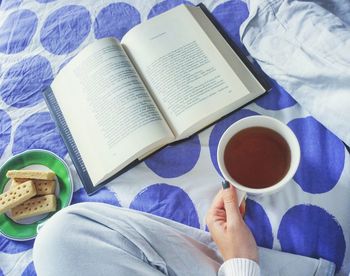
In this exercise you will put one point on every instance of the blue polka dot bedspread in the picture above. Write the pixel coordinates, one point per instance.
(37, 38)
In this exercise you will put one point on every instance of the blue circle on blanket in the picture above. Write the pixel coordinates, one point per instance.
(12, 247)
(65, 29)
(24, 82)
(165, 6)
(219, 130)
(29, 270)
(309, 230)
(116, 20)
(9, 4)
(45, 1)
(259, 223)
(168, 202)
(176, 159)
(230, 15)
(322, 156)
(277, 98)
(5, 131)
(17, 31)
(104, 195)
(1, 273)
(38, 131)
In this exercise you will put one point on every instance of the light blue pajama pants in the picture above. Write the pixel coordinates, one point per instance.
(100, 239)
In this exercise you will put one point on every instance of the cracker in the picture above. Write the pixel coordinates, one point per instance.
(30, 174)
(16, 196)
(43, 187)
(34, 207)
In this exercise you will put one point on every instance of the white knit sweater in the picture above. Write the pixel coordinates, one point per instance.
(239, 267)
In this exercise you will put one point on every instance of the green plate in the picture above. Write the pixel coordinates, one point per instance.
(40, 160)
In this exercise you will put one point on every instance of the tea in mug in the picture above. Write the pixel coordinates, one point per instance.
(257, 157)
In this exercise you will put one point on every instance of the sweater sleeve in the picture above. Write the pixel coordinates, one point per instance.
(239, 267)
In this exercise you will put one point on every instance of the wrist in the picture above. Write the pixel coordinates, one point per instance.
(241, 254)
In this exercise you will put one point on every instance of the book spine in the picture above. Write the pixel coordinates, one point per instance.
(57, 115)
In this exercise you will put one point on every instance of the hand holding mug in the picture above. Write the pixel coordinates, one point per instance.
(228, 230)
(258, 155)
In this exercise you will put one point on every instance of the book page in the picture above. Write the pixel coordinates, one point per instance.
(193, 74)
(110, 114)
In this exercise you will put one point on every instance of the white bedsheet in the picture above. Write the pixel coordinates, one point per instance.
(305, 46)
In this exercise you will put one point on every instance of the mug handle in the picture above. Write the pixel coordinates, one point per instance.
(241, 196)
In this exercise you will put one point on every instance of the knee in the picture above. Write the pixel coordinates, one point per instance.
(65, 238)
(63, 229)
(56, 238)
(61, 225)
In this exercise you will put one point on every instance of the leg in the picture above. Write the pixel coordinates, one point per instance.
(99, 239)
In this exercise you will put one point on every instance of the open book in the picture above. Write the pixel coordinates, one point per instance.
(169, 77)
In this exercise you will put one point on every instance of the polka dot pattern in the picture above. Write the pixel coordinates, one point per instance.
(164, 200)
(276, 99)
(30, 270)
(219, 130)
(12, 247)
(231, 15)
(311, 231)
(65, 29)
(259, 223)
(17, 31)
(322, 156)
(5, 131)
(104, 195)
(24, 82)
(37, 38)
(176, 159)
(38, 132)
(10, 4)
(115, 20)
(165, 6)
(45, 1)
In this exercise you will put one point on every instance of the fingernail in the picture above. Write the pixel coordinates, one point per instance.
(225, 185)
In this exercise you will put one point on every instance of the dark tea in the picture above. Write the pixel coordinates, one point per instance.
(257, 157)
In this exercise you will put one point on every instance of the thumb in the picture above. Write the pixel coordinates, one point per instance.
(230, 202)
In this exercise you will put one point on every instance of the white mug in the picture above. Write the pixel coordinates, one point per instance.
(267, 122)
